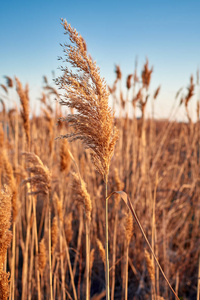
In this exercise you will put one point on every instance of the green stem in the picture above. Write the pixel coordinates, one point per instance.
(106, 248)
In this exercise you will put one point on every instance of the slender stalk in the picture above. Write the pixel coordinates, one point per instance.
(198, 284)
(70, 267)
(106, 247)
(177, 282)
(25, 254)
(55, 279)
(114, 254)
(80, 231)
(87, 259)
(50, 268)
(30, 270)
(126, 272)
(36, 248)
(61, 260)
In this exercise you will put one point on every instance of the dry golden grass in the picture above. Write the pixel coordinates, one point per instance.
(5, 239)
(157, 163)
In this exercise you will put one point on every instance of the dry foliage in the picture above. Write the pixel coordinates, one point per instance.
(157, 163)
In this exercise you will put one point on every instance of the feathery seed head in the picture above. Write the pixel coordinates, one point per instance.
(68, 227)
(54, 234)
(9, 81)
(5, 216)
(118, 72)
(42, 256)
(190, 91)
(24, 98)
(146, 75)
(150, 266)
(59, 207)
(1, 136)
(91, 259)
(5, 211)
(4, 285)
(101, 250)
(128, 81)
(12, 183)
(65, 158)
(129, 227)
(86, 92)
(42, 176)
(82, 195)
(156, 93)
(198, 110)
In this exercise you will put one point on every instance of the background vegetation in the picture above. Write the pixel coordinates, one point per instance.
(156, 162)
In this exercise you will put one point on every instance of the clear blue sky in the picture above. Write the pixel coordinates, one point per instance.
(116, 32)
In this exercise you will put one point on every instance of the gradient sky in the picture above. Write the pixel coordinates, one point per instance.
(116, 32)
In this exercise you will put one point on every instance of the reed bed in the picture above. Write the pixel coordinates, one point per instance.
(56, 190)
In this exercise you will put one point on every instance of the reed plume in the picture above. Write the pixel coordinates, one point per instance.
(128, 81)
(151, 270)
(9, 81)
(42, 256)
(150, 267)
(146, 75)
(42, 176)
(11, 183)
(5, 216)
(101, 251)
(85, 91)
(59, 207)
(54, 234)
(129, 227)
(185, 98)
(4, 285)
(157, 91)
(190, 91)
(91, 259)
(24, 98)
(118, 72)
(82, 195)
(68, 227)
(65, 158)
(5, 239)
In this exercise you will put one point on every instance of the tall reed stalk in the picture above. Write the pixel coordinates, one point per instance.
(106, 245)
(93, 123)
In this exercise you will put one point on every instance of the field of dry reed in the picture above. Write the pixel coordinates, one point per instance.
(53, 191)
